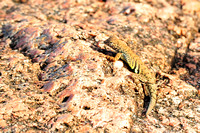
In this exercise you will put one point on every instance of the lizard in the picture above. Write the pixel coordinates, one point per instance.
(139, 68)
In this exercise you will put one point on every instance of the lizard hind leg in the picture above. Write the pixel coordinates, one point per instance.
(139, 85)
(139, 89)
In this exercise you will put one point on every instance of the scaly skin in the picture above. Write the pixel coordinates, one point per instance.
(138, 67)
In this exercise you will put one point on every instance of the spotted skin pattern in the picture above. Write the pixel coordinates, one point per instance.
(139, 68)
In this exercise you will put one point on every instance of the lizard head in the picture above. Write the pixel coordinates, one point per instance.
(114, 42)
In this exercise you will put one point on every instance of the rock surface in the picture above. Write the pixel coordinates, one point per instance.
(54, 75)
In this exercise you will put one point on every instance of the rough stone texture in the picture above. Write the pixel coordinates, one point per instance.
(54, 75)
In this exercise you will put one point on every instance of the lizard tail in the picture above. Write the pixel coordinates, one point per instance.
(153, 93)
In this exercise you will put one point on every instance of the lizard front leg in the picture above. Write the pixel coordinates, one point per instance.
(116, 58)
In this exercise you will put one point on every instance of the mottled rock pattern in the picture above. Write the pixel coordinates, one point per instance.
(54, 77)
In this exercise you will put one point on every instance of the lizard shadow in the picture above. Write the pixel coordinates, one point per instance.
(106, 52)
